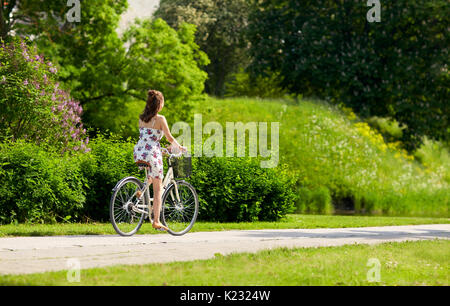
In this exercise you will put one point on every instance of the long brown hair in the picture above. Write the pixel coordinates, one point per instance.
(154, 100)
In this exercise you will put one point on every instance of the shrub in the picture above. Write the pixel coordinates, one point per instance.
(33, 106)
(316, 201)
(43, 186)
(230, 189)
(435, 156)
(109, 161)
(38, 185)
(238, 189)
(388, 127)
(242, 84)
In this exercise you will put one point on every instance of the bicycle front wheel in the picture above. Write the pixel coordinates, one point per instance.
(179, 213)
(125, 210)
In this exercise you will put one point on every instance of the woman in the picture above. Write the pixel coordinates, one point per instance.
(152, 127)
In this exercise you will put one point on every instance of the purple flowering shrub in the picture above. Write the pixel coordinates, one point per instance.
(32, 104)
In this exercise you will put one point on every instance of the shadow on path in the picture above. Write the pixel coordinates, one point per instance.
(356, 233)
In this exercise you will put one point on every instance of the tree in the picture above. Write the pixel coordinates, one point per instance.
(395, 68)
(221, 26)
(161, 58)
(101, 68)
(34, 107)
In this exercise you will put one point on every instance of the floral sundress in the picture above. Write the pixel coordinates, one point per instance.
(148, 149)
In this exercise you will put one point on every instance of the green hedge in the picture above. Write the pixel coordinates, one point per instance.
(238, 189)
(41, 186)
(108, 162)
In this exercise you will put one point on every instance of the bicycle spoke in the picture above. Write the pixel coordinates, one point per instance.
(125, 220)
(121, 215)
(180, 216)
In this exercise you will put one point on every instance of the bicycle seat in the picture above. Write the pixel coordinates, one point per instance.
(142, 163)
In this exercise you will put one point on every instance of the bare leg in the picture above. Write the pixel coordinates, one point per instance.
(157, 204)
(149, 205)
(139, 193)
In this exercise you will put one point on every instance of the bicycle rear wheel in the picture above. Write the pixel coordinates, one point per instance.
(124, 217)
(179, 216)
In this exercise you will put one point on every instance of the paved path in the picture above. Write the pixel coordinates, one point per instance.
(39, 254)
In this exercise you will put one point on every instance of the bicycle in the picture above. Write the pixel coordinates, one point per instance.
(131, 203)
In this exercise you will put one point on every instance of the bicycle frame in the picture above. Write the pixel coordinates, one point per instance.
(168, 179)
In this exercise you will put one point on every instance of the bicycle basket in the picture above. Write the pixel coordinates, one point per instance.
(182, 167)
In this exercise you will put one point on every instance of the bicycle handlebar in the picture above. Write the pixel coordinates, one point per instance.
(171, 154)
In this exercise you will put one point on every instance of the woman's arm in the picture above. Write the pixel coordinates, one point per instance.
(170, 138)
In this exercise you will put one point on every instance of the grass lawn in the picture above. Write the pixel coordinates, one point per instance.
(405, 263)
(291, 221)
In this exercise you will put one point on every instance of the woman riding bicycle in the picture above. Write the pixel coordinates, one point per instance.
(152, 127)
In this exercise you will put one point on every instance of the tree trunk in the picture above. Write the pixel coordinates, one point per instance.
(5, 22)
(2, 22)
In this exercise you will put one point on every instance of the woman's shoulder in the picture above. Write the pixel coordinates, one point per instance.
(160, 119)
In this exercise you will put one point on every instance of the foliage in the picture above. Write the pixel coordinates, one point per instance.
(243, 84)
(109, 161)
(238, 189)
(42, 186)
(388, 127)
(317, 201)
(34, 107)
(89, 53)
(39, 186)
(221, 26)
(394, 68)
(121, 121)
(160, 57)
(324, 148)
(106, 72)
(435, 156)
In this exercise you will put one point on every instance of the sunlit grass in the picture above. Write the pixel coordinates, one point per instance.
(293, 221)
(405, 263)
(327, 147)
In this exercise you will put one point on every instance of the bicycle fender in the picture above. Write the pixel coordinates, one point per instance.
(120, 182)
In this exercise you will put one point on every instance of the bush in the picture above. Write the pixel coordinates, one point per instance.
(33, 106)
(242, 84)
(38, 185)
(43, 186)
(388, 127)
(435, 156)
(109, 161)
(316, 201)
(238, 189)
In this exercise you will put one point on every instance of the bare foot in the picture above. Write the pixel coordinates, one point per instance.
(157, 225)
